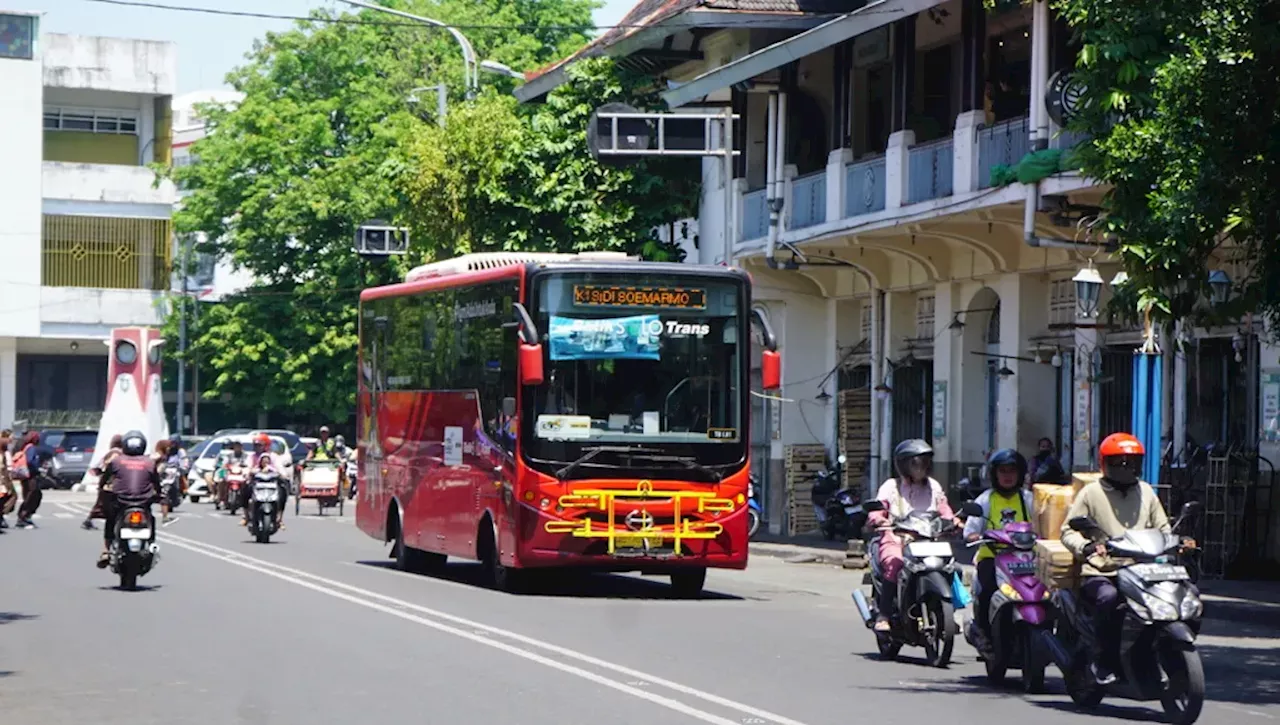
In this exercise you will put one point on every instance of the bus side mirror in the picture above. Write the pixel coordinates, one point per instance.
(771, 369)
(530, 364)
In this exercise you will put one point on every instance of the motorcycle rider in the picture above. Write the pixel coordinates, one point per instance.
(325, 449)
(264, 458)
(1118, 502)
(344, 455)
(235, 457)
(1006, 501)
(104, 485)
(134, 482)
(913, 489)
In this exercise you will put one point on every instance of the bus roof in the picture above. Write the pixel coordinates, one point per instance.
(495, 260)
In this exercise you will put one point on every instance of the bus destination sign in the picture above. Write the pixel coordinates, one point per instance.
(677, 298)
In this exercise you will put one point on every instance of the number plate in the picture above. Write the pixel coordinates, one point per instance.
(74, 456)
(638, 542)
(1160, 572)
(929, 548)
(127, 534)
(1022, 567)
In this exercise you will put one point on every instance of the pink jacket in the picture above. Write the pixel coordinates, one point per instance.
(901, 498)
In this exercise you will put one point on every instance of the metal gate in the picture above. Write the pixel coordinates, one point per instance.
(912, 401)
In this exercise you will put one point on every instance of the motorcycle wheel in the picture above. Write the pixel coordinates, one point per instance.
(128, 576)
(1033, 665)
(889, 648)
(1186, 685)
(939, 643)
(996, 669)
(263, 537)
(1084, 691)
(753, 523)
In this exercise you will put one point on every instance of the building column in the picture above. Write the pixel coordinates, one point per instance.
(8, 381)
(973, 42)
(945, 350)
(897, 168)
(1028, 399)
(964, 148)
(837, 182)
(1083, 447)
(904, 72)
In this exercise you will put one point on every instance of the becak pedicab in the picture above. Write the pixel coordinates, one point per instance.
(321, 480)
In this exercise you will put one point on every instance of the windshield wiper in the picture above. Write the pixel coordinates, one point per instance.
(589, 453)
(690, 463)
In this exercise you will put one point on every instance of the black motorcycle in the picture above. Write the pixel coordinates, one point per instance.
(133, 551)
(839, 510)
(1161, 608)
(264, 503)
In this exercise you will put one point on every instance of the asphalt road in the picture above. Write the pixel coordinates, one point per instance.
(316, 628)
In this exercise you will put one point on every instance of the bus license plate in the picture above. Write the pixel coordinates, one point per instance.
(638, 542)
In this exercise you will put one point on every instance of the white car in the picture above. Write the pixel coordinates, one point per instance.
(203, 467)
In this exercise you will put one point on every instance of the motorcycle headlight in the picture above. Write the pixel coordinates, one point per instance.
(1192, 607)
(914, 565)
(1161, 611)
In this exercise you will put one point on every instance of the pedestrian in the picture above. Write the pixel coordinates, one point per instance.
(8, 494)
(1045, 467)
(26, 469)
(104, 484)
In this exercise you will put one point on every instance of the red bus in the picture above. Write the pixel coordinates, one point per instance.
(533, 411)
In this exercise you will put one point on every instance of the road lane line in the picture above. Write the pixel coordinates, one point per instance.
(236, 557)
(670, 704)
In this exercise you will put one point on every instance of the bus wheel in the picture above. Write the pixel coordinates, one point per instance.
(503, 578)
(688, 583)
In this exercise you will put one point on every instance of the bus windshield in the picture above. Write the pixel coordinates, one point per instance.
(653, 361)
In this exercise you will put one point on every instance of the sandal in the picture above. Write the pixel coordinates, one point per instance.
(882, 625)
(104, 560)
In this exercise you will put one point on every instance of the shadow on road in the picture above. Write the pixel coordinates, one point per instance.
(138, 590)
(562, 583)
(1245, 675)
(7, 617)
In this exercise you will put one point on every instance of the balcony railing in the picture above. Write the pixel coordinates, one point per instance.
(929, 171)
(755, 215)
(1003, 144)
(106, 252)
(808, 200)
(864, 187)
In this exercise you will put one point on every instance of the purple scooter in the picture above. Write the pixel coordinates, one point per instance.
(1020, 612)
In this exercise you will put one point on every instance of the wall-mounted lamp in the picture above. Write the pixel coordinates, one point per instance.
(1237, 344)
(883, 391)
(957, 325)
(1056, 360)
(1088, 290)
(1219, 286)
(1120, 279)
(1004, 372)
(74, 346)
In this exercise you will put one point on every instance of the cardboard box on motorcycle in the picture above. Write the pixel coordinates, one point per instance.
(1057, 566)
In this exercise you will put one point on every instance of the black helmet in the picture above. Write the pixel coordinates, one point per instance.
(909, 449)
(135, 444)
(1006, 457)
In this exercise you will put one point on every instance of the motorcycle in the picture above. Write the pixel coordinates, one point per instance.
(753, 508)
(925, 614)
(838, 510)
(351, 476)
(133, 551)
(1019, 614)
(1161, 610)
(234, 485)
(266, 498)
(171, 487)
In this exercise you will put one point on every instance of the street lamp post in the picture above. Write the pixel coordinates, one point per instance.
(470, 66)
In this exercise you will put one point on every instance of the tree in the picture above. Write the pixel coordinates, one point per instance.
(1183, 101)
(316, 147)
(502, 176)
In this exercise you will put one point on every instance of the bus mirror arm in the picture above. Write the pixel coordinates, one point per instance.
(530, 347)
(770, 359)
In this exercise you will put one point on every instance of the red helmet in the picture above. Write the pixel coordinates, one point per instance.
(1122, 457)
(264, 440)
(1121, 444)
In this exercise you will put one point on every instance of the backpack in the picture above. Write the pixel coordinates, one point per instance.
(19, 469)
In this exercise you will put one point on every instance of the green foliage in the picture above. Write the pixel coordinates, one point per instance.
(318, 146)
(502, 176)
(1184, 106)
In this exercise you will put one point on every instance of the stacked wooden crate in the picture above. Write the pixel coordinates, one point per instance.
(855, 435)
(802, 462)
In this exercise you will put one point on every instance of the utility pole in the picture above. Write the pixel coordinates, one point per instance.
(182, 334)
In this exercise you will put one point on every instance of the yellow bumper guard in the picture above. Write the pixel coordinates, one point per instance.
(647, 535)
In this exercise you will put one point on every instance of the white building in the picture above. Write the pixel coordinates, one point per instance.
(209, 278)
(938, 290)
(86, 229)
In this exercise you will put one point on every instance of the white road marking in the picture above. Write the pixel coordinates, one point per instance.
(63, 515)
(397, 607)
(677, 706)
(67, 507)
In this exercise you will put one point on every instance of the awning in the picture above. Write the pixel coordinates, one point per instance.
(873, 15)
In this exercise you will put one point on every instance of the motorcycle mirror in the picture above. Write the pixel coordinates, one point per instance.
(1082, 524)
(873, 505)
(971, 508)
(1191, 508)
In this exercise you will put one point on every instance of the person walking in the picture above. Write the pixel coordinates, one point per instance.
(8, 493)
(26, 469)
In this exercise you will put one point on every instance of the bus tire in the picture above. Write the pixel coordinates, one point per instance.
(688, 583)
(503, 578)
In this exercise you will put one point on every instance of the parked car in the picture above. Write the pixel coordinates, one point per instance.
(297, 449)
(72, 450)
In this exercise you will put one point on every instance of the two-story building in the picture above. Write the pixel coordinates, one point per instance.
(906, 205)
(86, 227)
